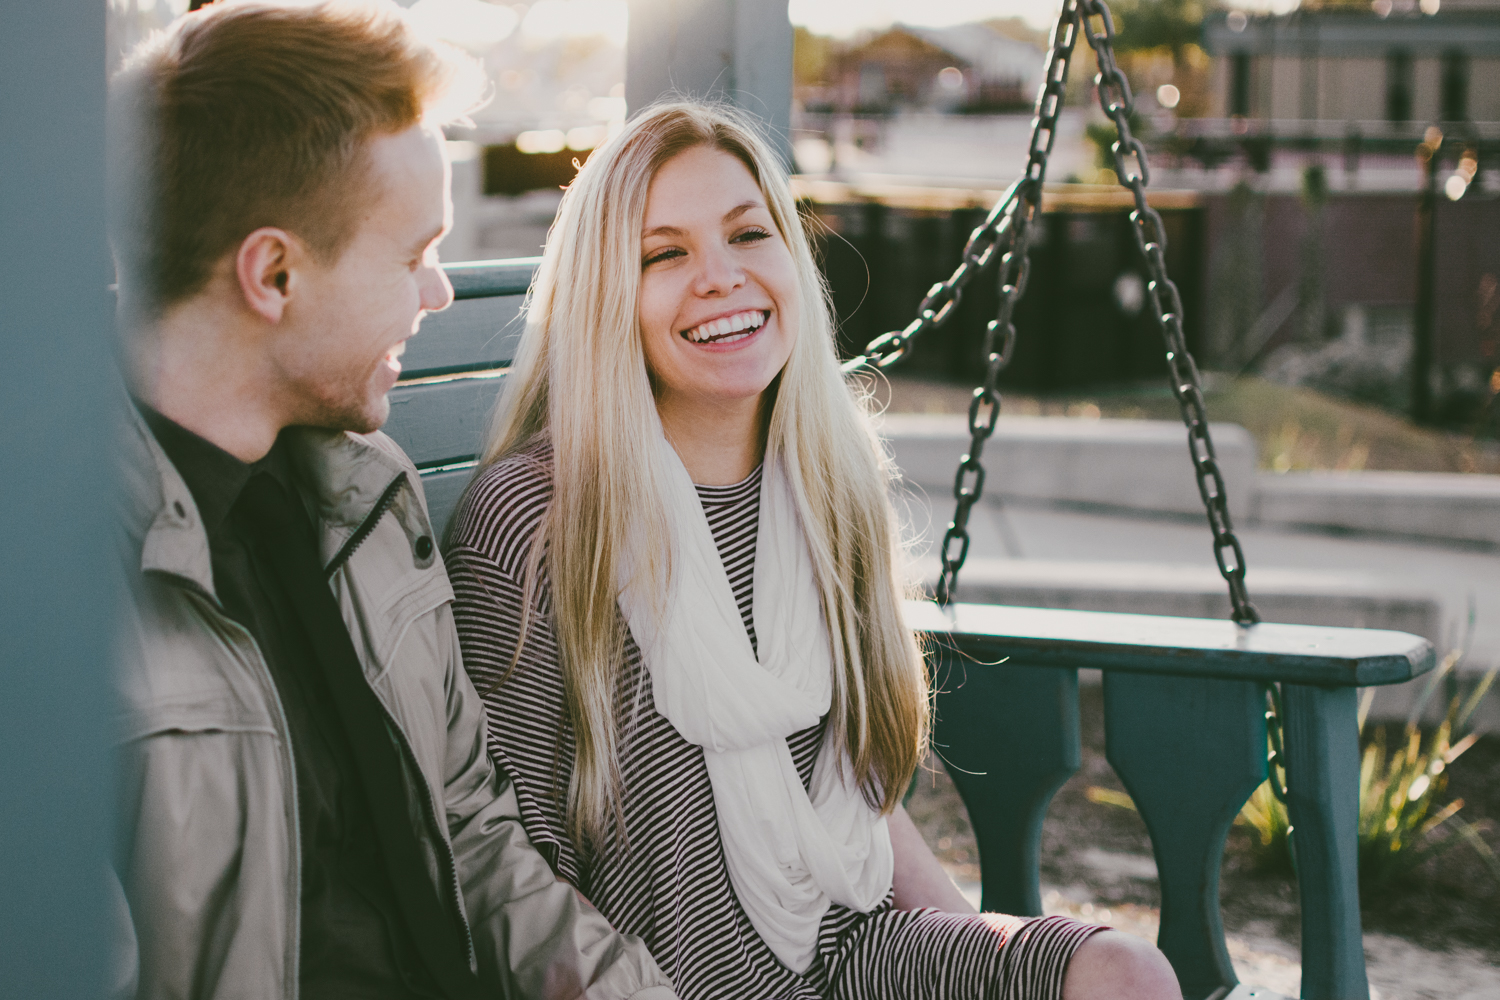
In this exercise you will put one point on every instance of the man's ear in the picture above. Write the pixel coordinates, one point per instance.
(263, 267)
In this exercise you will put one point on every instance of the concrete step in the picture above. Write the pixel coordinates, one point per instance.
(1451, 506)
(1144, 465)
(1135, 464)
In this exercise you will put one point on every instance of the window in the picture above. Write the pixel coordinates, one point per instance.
(1239, 83)
(1455, 97)
(1398, 86)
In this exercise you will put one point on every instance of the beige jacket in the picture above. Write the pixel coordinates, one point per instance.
(207, 847)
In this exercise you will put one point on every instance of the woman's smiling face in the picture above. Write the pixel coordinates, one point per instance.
(718, 300)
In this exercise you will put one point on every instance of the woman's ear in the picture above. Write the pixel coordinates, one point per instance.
(263, 267)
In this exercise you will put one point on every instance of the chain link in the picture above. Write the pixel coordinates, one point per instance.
(1276, 753)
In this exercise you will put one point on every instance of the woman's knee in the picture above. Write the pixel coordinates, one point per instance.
(1117, 966)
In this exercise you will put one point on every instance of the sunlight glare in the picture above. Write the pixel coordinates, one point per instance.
(470, 24)
(550, 20)
(542, 141)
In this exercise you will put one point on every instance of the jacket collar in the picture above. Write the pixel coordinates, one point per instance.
(348, 477)
(342, 476)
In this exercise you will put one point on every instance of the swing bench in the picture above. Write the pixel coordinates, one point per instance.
(1190, 705)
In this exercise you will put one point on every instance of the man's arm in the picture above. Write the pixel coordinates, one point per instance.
(529, 928)
(207, 918)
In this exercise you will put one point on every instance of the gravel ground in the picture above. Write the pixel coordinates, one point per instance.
(1438, 935)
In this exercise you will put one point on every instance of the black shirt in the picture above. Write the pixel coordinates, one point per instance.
(354, 942)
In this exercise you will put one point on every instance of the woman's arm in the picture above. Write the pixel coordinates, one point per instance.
(919, 880)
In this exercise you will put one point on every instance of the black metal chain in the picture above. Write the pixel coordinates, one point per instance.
(943, 298)
(1007, 228)
(1166, 305)
(1276, 752)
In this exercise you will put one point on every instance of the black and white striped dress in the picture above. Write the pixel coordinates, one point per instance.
(668, 883)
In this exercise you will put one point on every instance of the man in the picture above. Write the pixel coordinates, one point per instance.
(306, 804)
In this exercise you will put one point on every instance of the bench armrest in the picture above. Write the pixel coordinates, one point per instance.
(1183, 647)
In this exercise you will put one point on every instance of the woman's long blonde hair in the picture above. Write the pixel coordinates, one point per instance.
(580, 381)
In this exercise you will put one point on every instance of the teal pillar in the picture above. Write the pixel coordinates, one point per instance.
(738, 51)
(55, 604)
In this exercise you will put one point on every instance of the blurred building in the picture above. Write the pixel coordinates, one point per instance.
(969, 68)
(1392, 63)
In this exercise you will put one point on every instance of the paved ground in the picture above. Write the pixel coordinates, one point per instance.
(1397, 969)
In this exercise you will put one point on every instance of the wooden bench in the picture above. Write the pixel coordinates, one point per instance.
(1184, 697)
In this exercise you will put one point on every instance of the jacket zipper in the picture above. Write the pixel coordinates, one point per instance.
(357, 539)
(446, 850)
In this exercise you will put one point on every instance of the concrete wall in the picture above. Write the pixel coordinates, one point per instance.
(1293, 597)
(1104, 465)
(1484, 90)
(1361, 90)
(1426, 89)
(1449, 506)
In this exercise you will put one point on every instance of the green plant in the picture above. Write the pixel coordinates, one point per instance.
(1401, 789)
(1264, 813)
(1401, 808)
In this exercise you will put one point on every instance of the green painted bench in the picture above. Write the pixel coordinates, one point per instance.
(1184, 698)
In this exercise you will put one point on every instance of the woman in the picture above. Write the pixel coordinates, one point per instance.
(677, 586)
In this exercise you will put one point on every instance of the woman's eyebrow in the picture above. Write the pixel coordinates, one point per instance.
(741, 209)
(730, 216)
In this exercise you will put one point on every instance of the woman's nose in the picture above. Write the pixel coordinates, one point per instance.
(718, 273)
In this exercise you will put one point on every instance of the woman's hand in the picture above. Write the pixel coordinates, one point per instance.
(919, 880)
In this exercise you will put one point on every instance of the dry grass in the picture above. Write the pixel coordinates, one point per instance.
(1295, 428)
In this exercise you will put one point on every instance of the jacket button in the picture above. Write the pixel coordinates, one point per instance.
(424, 547)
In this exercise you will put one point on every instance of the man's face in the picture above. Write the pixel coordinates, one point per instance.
(338, 356)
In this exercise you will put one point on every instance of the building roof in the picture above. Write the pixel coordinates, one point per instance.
(1472, 27)
(992, 55)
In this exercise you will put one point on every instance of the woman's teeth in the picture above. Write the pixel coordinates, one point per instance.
(728, 329)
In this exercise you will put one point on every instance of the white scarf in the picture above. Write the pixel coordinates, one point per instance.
(789, 853)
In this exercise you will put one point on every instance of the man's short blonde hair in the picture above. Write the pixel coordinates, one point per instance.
(251, 113)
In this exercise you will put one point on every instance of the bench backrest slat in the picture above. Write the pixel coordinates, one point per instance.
(443, 423)
(452, 373)
(471, 334)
